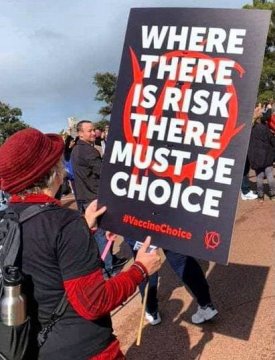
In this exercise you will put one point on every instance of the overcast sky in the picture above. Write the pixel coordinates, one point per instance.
(51, 49)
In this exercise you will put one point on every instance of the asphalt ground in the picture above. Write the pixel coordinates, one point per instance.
(243, 292)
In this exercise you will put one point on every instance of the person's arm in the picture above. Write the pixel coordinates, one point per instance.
(88, 293)
(92, 297)
(93, 161)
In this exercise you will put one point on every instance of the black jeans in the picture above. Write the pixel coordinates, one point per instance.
(187, 269)
(190, 272)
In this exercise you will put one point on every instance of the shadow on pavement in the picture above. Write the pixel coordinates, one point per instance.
(236, 290)
(170, 339)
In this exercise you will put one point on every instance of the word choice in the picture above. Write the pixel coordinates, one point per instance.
(193, 199)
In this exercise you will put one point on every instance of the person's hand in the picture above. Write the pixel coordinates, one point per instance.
(91, 214)
(151, 260)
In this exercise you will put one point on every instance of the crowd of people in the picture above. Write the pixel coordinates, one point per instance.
(86, 163)
(261, 153)
(62, 248)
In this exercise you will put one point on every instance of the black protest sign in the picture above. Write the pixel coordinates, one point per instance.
(180, 126)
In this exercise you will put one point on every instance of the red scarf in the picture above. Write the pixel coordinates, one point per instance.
(34, 198)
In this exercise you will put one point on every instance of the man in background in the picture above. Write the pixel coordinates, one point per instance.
(86, 162)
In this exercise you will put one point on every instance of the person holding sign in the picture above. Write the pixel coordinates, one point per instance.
(60, 256)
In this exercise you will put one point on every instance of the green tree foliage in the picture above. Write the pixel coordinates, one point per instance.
(106, 84)
(10, 121)
(267, 82)
(101, 124)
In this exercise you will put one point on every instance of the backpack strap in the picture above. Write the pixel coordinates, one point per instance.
(24, 216)
(34, 210)
(9, 238)
(60, 309)
(55, 317)
(10, 226)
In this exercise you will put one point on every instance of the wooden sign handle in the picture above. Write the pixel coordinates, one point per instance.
(142, 314)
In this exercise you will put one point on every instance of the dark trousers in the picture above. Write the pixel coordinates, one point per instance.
(191, 274)
(245, 186)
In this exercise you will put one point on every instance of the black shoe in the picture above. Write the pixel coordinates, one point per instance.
(260, 198)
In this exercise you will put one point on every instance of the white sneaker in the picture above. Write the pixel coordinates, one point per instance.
(204, 314)
(153, 319)
(249, 196)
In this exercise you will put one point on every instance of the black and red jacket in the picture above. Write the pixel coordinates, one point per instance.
(59, 253)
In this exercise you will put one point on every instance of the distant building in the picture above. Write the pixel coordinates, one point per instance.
(72, 122)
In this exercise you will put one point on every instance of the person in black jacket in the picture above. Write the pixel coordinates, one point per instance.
(59, 256)
(86, 163)
(260, 154)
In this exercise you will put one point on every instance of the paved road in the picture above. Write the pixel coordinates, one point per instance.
(243, 292)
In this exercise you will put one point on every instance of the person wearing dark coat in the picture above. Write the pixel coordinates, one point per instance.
(260, 154)
(86, 163)
(59, 255)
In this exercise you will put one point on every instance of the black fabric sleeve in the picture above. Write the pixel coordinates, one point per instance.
(77, 250)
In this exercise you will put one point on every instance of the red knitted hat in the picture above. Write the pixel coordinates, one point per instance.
(26, 157)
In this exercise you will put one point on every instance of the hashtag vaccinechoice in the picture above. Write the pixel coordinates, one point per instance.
(160, 228)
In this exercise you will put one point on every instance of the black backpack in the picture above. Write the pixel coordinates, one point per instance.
(14, 339)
